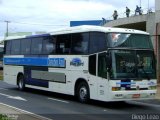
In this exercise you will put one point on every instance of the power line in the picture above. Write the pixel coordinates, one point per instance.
(38, 24)
(33, 23)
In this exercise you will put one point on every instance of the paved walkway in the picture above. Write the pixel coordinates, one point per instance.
(17, 114)
(158, 91)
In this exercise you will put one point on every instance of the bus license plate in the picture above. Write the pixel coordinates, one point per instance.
(136, 96)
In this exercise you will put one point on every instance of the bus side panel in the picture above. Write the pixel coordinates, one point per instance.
(11, 72)
(28, 70)
(68, 86)
(73, 70)
(60, 84)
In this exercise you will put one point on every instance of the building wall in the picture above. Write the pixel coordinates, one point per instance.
(150, 27)
(157, 4)
(157, 29)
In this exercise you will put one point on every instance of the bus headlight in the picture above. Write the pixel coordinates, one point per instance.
(152, 94)
(116, 88)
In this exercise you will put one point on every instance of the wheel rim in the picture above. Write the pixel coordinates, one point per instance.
(21, 83)
(83, 93)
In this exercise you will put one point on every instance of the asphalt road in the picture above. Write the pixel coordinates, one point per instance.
(64, 107)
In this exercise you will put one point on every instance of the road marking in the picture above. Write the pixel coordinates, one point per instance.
(27, 112)
(3, 89)
(13, 97)
(58, 100)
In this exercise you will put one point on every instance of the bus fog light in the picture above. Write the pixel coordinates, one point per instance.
(153, 94)
(116, 88)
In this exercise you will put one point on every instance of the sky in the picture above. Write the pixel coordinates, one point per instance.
(48, 15)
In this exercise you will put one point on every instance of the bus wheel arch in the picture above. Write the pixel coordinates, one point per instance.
(20, 81)
(82, 91)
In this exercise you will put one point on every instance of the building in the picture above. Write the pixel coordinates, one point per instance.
(89, 22)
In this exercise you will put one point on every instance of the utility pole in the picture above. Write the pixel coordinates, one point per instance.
(148, 5)
(140, 3)
(7, 22)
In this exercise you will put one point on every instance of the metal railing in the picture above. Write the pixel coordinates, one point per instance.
(123, 15)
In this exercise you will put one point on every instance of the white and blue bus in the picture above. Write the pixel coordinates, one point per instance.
(89, 62)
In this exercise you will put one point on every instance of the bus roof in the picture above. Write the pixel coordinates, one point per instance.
(83, 28)
(87, 28)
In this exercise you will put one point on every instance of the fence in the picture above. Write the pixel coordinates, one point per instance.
(123, 15)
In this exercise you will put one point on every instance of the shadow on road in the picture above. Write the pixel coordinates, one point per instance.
(109, 105)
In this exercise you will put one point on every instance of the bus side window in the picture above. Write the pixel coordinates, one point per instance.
(49, 45)
(92, 64)
(15, 47)
(80, 43)
(97, 42)
(63, 44)
(25, 46)
(8, 47)
(102, 67)
(36, 45)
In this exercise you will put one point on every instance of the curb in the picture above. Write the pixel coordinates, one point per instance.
(23, 114)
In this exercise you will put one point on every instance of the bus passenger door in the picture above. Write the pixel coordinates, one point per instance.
(98, 76)
(92, 76)
(102, 77)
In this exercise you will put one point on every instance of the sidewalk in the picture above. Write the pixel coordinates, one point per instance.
(17, 114)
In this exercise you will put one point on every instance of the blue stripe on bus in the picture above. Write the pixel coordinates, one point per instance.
(41, 35)
(36, 61)
(125, 83)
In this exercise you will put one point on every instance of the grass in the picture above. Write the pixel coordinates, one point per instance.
(1, 74)
(4, 117)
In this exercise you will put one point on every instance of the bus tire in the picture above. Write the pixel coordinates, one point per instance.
(21, 82)
(83, 92)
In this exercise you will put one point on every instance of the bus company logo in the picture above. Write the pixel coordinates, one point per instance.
(76, 62)
(151, 83)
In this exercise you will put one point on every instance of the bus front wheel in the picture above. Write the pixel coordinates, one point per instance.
(83, 92)
(21, 83)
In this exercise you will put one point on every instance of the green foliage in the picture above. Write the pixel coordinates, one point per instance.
(4, 117)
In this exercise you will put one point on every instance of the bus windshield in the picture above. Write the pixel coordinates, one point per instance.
(132, 64)
(129, 40)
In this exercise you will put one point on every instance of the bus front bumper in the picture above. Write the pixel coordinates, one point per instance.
(142, 94)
